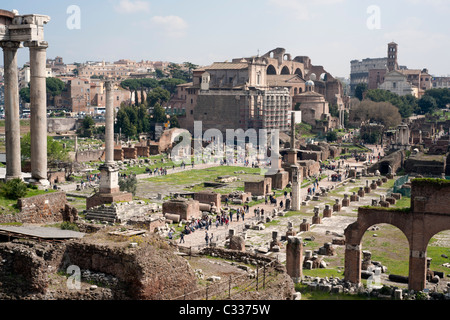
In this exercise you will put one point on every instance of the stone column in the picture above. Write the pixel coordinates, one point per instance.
(12, 122)
(296, 184)
(38, 123)
(109, 124)
(294, 258)
(109, 172)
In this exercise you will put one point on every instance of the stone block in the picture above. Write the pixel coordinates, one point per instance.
(391, 200)
(327, 212)
(396, 196)
(316, 220)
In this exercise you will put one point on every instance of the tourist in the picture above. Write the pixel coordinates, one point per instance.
(182, 237)
(281, 204)
(206, 237)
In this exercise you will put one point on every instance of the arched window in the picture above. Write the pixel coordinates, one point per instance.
(271, 70)
(285, 70)
(299, 72)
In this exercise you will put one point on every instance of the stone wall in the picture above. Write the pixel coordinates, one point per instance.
(150, 271)
(118, 155)
(129, 153)
(143, 151)
(135, 268)
(309, 168)
(56, 177)
(89, 155)
(310, 155)
(186, 209)
(46, 208)
(259, 188)
(391, 162)
(434, 165)
(62, 124)
(208, 197)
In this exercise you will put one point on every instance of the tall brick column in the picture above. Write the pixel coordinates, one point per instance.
(12, 122)
(352, 270)
(294, 258)
(417, 270)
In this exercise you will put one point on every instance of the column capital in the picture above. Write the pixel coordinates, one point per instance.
(36, 44)
(12, 45)
(109, 85)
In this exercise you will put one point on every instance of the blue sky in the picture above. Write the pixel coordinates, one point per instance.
(330, 32)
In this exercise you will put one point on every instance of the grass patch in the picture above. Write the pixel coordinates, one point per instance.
(11, 205)
(195, 176)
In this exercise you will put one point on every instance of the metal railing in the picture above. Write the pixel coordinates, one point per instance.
(235, 286)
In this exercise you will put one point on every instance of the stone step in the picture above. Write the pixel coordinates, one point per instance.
(101, 218)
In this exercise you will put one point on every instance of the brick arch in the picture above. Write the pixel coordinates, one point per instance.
(299, 72)
(429, 214)
(354, 234)
(285, 70)
(271, 70)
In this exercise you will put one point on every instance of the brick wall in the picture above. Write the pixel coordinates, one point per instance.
(45, 208)
(143, 151)
(208, 197)
(129, 153)
(259, 188)
(187, 209)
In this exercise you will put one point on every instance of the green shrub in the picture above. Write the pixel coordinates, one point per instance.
(66, 225)
(128, 184)
(14, 189)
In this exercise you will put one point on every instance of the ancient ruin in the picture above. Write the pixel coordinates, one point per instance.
(28, 30)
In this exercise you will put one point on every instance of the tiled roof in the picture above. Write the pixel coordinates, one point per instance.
(227, 66)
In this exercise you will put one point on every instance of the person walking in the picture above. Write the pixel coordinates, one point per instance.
(182, 237)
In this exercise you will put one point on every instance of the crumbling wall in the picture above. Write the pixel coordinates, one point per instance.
(147, 272)
(208, 197)
(186, 209)
(426, 165)
(389, 164)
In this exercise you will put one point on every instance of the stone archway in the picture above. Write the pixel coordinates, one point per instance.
(298, 72)
(271, 70)
(429, 214)
(285, 70)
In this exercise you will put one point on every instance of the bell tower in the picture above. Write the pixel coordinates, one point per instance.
(392, 63)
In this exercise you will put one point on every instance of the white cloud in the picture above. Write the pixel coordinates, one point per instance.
(172, 26)
(128, 6)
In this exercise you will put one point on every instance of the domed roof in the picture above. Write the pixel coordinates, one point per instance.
(309, 83)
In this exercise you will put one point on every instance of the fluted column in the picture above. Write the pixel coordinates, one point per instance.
(38, 123)
(12, 121)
